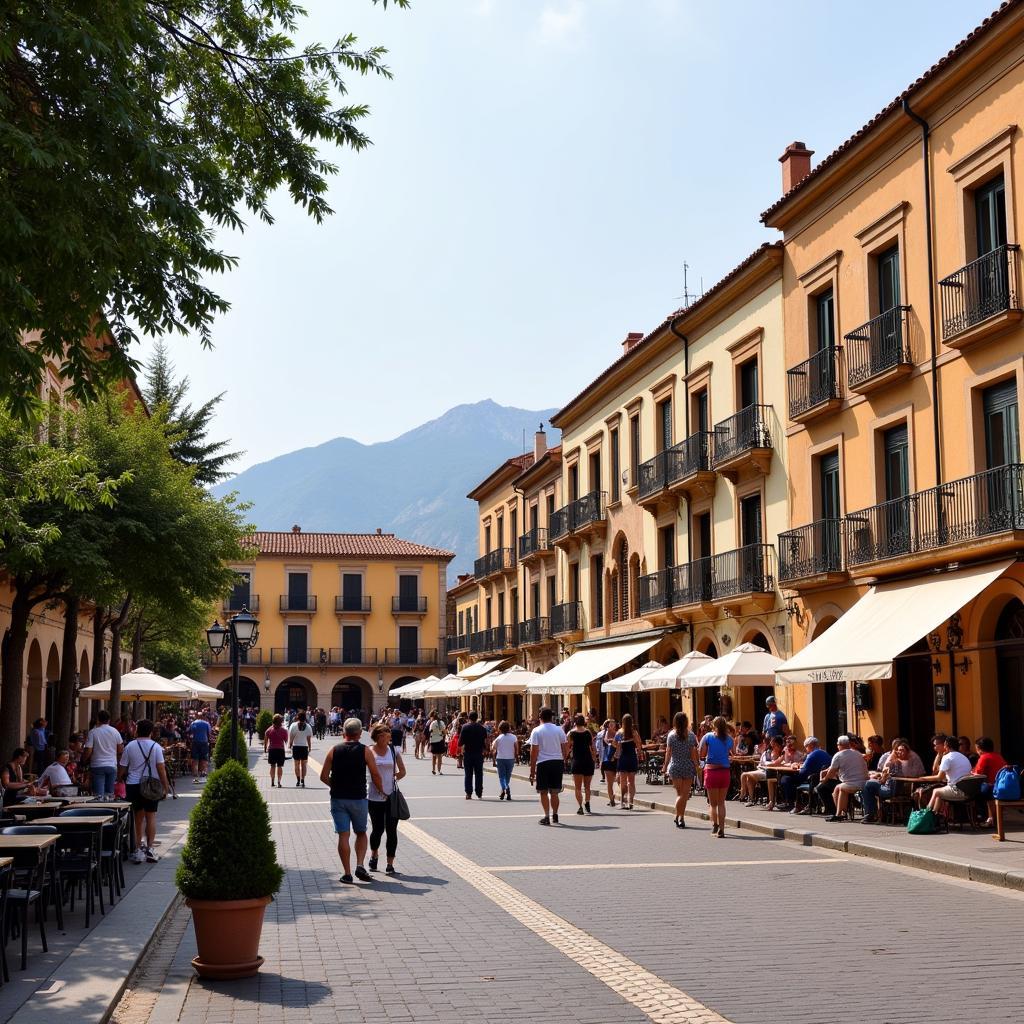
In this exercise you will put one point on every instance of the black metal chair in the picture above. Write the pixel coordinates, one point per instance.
(110, 845)
(78, 861)
(6, 878)
(30, 890)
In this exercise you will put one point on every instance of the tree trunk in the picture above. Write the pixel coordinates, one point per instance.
(99, 629)
(137, 643)
(116, 627)
(14, 673)
(64, 706)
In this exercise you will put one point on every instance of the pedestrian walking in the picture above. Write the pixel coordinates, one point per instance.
(344, 772)
(506, 752)
(548, 748)
(274, 740)
(609, 764)
(199, 733)
(714, 752)
(396, 723)
(419, 736)
(583, 762)
(300, 740)
(436, 734)
(383, 818)
(142, 761)
(683, 764)
(102, 750)
(627, 740)
(473, 745)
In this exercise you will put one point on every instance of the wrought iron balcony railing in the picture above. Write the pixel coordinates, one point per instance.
(535, 630)
(980, 290)
(410, 656)
(653, 474)
(497, 638)
(588, 509)
(558, 524)
(690, 456)
(962, 510)
(567, 618)
(811, 550)
(353, 656)
(401, 603)
(494, 561)
(299, 656)
(814, 382)
(238, 602)
(879, 345)
(296, 603)
(655, 592)
(348, 603)
(252, 656)
(745, 431)
(457, 643)
(533, 542)
(747, 570)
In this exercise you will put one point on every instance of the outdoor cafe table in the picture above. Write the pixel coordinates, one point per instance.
(76, 822)
(31, 812)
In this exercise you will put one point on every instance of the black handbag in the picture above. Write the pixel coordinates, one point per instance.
(150, 787)
(397, 806)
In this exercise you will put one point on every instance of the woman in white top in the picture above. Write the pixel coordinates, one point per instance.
(300, 739)
(506, 752)
(143, 757)
(391, 768)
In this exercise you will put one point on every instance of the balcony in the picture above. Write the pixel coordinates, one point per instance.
(410, 656)
(234, 603)
(743, 442)
(655, 593)
(688, 466)
(352, 605)
(495, 640)
(744, 575)
(299, 656)
(558, 525)
(353, 656)
(298, 603)
(981, 300)
(878, 351)
(534, 631)
(652, 488)
(498, 560)
(457, 643)
(253, 656)
(588, 515)
(812, 555)
(533, 544)
(663, 594)
(983, 514)
(567, 618)
(408, 605)
(814, 385)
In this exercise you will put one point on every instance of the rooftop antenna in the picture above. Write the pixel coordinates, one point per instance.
(688, 297)
(524, 440)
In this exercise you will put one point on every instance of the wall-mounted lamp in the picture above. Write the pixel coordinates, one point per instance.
(726, 639)
(266, 680)
(380, 680)
(794, 611)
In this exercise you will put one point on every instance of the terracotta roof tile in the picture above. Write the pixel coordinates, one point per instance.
(894, 105)
(342, 545)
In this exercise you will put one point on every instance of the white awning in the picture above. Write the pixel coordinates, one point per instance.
(887, 620)
(511, 681)
(481, 668)
(630, 682)
(572, 675)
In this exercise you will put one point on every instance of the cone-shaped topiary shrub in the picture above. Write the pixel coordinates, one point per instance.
(222, 749)
(229, 854)
(264, 720)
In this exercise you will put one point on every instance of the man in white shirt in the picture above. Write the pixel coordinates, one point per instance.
(56, 779)
(850, 768)
(548, 748)
(103, 749)
(953, 767)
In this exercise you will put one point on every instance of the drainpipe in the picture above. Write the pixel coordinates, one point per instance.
(926, 154)
(686, 414)
(521, 517)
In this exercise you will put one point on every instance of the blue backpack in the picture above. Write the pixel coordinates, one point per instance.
(1007, 785)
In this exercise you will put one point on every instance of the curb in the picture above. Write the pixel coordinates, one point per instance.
(1005, 879)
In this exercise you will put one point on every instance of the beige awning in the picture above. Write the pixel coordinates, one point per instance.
(630, 682)
(481, 668)
(887, 620)
(572, 675)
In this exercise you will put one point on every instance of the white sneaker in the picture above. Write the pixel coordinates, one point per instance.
(139, 856)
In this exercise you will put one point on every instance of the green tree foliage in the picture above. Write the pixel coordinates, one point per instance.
(131, 130)
(229, 853)
(264, 720)
(222, 748)
(188, 427)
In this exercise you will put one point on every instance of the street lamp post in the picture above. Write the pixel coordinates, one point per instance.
(241, 633)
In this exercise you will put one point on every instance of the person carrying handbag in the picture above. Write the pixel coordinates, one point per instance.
(143, 771)
(386, 803)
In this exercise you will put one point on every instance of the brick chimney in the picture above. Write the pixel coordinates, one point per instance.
(632, 340)
(796, 165)
(540, 443)
(296, 528)
(378, 531)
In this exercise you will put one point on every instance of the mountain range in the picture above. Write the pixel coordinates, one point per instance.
(414, 485)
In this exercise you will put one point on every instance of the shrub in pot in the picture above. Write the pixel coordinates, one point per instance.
(228, 873)
(264, 720)
(222, 748)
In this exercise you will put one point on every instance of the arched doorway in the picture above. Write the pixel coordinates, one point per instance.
(295, 692)
(352, 694)
(248, 693)
(34, 697)
(52, 682)
(84, 707)
(404, 703)
(1010, 669)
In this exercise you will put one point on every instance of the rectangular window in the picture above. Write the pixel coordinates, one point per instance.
(552, 598)
(408, 592)
(462, 623)
(408, 644)
(616, 463)
(296, 640)
(597, 590)
(702, 534)
(594, 470)
(1002, 431)
(668, 546)
(240, 592)
(750, 520)
(513, 530)
(888, 265)
(574, 482)
(634, 450)
(352, 592)
(298, 591)
(897, 466)
(533, 516)
(488, 620)
(535, 599)
(352, 645)
(501, 532)
(513, 600)
(748, 383)
(825, 316)
(828, 485)
(665, 424)
(501, 609)
(990, 215)
(574, 580)
(550, 508)
(700, 411)
(487, 538)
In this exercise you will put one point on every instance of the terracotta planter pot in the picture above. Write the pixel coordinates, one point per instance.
(228, 937)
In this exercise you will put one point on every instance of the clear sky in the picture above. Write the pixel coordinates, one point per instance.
(541, 169)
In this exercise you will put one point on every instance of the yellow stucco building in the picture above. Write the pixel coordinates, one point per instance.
(344, 618)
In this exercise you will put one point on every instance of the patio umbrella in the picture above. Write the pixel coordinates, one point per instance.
(745, 665)
(512, 680)
(631, 681)
(673, 676)
(200, 691)
(413, 689)
(140, 684)
(449, 686)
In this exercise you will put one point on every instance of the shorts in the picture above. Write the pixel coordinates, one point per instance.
(134, 794)
(950, 793)
(758, 774)
(300, 753)
(275, 755)
(349, 815)
(437, 748)
(549, 776)
(200, 751)
(716, 777)
(850, 787)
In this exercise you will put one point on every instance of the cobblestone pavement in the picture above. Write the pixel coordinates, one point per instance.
(614, 917)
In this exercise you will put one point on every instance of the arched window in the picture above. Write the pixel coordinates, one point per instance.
(622, 566)
(613, 595)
